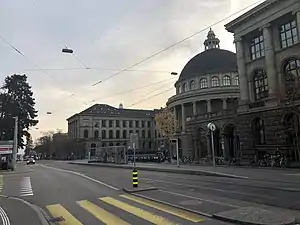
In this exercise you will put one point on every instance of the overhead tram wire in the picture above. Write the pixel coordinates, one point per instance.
(176, 43)
(98, 68)
(137, 88)
(153, 96)
(35, 65)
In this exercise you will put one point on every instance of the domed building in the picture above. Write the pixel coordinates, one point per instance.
(207, 91)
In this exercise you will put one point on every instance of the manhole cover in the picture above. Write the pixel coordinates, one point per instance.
(190, 202)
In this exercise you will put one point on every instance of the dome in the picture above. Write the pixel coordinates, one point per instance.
(213, 60)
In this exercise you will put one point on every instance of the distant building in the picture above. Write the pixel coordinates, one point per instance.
(102, 125)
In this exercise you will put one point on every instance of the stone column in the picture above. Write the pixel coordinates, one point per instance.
(208, 105)
(183, 117)
(297, 13)
(241, 61)
(270, 60)
(175, 119)
(194, 108)
(224, 103)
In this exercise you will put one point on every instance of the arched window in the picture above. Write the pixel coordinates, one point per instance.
(291, 72)
(215, 82)
(261, 89)
(236, 80)
(226, 80)
(117, 134)
(110, 134)
(258, 129)
(85, 133)
(203, 83)
(184, 87)
(192, 85)
(96, 134)
(103, 134)
(124, 134)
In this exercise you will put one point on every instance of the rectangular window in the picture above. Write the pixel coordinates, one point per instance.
(117, 123)
(110, 123)
(124, 123)
(130, 123)
(143, 123)
(148, 124)
(137, 124)
(257, 47)
(103, 123)
(288, 34)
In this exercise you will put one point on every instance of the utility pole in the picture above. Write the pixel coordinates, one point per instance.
(15, 147)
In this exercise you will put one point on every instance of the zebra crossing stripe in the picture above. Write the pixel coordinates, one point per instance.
(26, 188)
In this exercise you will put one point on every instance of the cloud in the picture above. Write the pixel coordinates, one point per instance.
(103, 34)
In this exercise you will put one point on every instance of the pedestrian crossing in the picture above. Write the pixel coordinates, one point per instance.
(25, 187)
(121, 210)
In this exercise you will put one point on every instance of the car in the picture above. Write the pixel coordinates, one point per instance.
(30, 161)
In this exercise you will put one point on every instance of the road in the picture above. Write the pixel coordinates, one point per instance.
(75, 195)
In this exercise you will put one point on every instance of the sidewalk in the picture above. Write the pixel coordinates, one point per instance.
(20, 168)
(17, 212)
(288, 175)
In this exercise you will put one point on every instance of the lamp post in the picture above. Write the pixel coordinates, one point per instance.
(15, 146)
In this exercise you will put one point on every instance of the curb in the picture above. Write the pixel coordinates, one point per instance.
(131, 191)
(14, 173)
(42, 215)
(242, 222)
(167, 170)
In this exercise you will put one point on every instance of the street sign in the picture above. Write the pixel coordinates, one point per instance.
(134, 141)
(6, 147)
(211, 126)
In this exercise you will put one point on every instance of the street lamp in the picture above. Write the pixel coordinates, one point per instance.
(67, 50)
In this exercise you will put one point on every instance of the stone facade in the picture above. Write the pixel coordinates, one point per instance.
(266, 85)
(102, 126)
(268, 54)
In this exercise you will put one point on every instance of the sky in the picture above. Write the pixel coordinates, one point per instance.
(106, 36)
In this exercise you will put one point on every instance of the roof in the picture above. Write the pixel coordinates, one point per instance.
(110, 111)
(231, 25)
(210, 61)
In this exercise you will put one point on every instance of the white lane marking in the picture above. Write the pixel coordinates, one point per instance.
(292, 174)
(200, 199)
(26, 188)
(82, 175)
(4, 217)
(208, 188)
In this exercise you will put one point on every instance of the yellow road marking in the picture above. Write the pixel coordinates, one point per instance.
(59, 211)
(101, 214)
(171, 210)
(137, 211)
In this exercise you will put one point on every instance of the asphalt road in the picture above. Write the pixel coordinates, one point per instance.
(205, 194)
(75, 195)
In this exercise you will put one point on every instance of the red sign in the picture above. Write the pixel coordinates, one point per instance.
(5, 150)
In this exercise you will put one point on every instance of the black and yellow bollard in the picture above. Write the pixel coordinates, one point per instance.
(135, 181)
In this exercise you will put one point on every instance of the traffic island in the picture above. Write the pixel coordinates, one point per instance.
(139, 189)
(255, 216)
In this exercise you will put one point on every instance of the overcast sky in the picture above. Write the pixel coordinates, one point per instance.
(104, 35)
